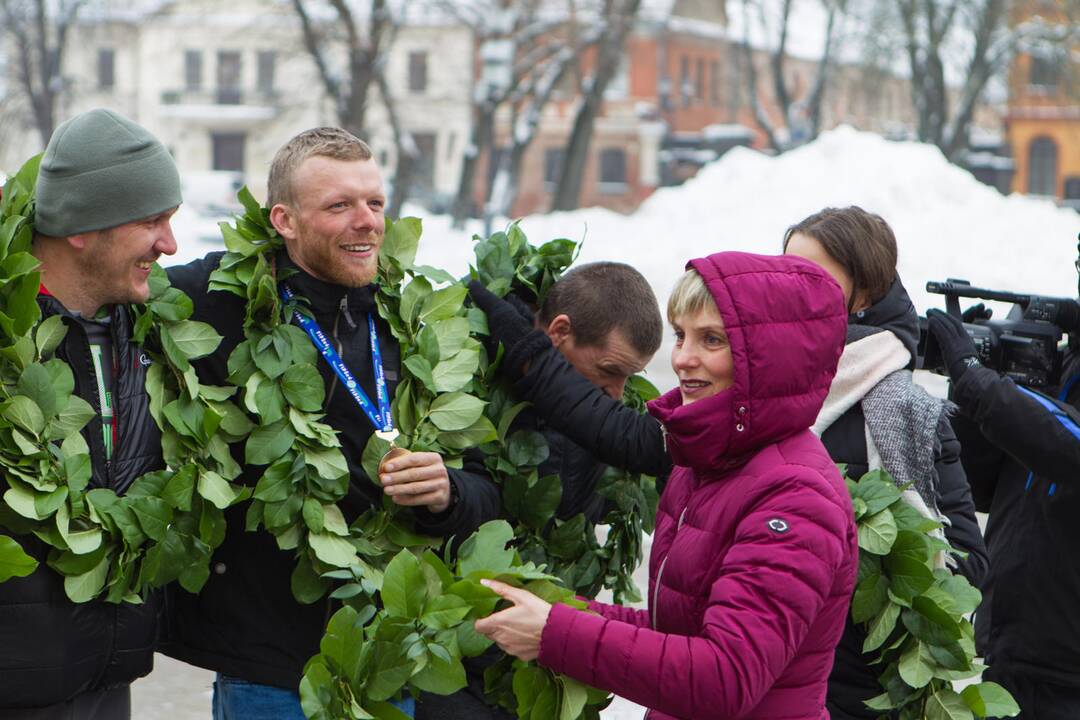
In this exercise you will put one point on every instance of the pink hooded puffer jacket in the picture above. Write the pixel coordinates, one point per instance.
(755, 552)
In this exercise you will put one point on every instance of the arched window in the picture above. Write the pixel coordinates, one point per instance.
(1042, 167)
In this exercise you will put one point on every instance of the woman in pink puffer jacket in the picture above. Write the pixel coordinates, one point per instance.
(755, 552)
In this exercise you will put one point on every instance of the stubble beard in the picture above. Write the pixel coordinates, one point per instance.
(346, 274)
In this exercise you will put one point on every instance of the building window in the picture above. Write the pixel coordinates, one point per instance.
(1072, 188)
(106, 68)
(229, 67)
(228, 151)
(424, 167)
(1042, 167)
(264, 71)
(686, 88)
(553, 162)
(1045, 70)
(612, 171)
(193, 70)
(417, 72)
(714, 83)
(699, 89)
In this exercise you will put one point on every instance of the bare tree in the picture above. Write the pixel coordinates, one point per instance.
(790, 107)
(619, 17)
(953, 49)
(333, 28)
(516, 43)
(38, 34)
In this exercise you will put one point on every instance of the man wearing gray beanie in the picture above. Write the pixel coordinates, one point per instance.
(105, 194)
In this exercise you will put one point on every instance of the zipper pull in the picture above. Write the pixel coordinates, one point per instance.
(344, 308)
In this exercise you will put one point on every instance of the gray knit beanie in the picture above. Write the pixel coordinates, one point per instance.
(101, 170)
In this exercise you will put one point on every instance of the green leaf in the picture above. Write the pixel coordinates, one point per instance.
(444, 611)
(36, 383)
(881, 627)
(434, 274)
(870, 598)
(216, 489)
(908, 576)
(917, 664)
(329, 462)
(988, 700)
(331, 549)
(195, 339)
(180, 488)
(455, 372)
(14, 562)
(303, 387)
(541, 501)
(411, 299)
(48, 335)
(24, 413)
(877, 490)
(276, 483)
(86, 586)
(269, 442)
(485, 550)
(455, 411)
(574, 697)
(307, 587)
(440, 677)
(480, 432)
(527, 448)
(945, 704)
(392, 669)
(401, 242)
(421, 370)
(404, 589)
(21, 500)
(877, 533)
(153, 514)
(72, 418)
(451, 334)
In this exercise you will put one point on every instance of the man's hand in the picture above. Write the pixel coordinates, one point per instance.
(957, 348)
(419, 478)
(517, 629)
(508, 323)
(505, 321)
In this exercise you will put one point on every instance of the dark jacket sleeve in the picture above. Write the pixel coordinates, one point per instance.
(479, 501)
(955, 502)
(615, 434)
(1041, 433)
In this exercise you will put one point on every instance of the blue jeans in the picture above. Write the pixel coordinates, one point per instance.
(236, 699)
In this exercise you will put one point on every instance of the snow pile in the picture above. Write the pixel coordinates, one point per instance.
(947, 223)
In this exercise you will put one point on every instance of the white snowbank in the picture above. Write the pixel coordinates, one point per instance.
(947, 223)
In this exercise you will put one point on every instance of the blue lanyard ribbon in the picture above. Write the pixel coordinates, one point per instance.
(380, 417)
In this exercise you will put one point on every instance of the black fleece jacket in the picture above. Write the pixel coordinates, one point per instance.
(245, 623)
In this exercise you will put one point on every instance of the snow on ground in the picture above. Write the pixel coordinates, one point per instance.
(947, 224)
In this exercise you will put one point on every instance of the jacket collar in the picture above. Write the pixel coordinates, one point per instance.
(324, 297)
(896, 313)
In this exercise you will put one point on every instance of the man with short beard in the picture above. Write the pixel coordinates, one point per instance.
(327, 201)
(105, 193)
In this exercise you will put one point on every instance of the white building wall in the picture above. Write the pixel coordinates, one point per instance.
(150, 86)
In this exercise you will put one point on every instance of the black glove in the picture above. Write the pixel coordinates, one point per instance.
(957, 349)
(977, 312)
(511, 324)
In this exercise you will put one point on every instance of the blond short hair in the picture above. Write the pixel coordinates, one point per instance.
(689, 297)
(330, 142)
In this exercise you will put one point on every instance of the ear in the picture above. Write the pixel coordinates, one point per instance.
(862, 302)
(559, 329)
(78, 242)
(281, 217)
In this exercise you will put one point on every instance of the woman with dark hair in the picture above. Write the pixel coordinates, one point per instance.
(755, 552)
(875, 416)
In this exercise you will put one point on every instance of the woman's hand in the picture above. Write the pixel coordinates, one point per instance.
(516, 629)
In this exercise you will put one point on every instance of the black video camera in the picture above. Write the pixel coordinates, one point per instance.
(1026, 345)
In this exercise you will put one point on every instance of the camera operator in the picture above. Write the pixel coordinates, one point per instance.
(1021, 451)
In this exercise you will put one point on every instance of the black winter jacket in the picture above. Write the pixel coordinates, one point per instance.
(246, 623)
(605, 428)
(1022, 455)
(52, 649)
(853, 680)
